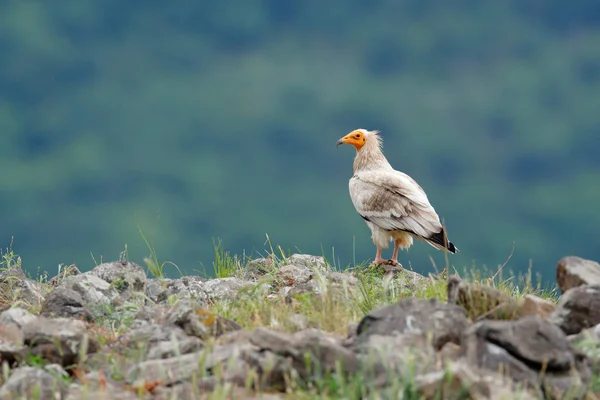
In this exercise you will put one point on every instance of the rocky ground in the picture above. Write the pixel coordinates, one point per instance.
(293, 328)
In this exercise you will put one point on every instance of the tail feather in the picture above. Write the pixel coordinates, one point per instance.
(439, 240)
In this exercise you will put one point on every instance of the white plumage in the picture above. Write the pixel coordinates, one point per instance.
(393, 205)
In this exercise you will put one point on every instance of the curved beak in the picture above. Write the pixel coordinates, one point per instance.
(341, 141)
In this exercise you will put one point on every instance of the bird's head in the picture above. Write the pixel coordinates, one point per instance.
(357, 138)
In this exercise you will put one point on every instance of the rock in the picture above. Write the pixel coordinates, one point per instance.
(64, 273)
(533, 305)
(461, 382)
(160, 341)
(59, 340)
(32, 383)
(577, 309)
(197, 321)
(574, 271)
(310, 350)
(255, 269)
(290, 275)
(393, 351)
(79, 296)
(223, 288)
(19, 289)
(178, 369)
(444, 322)
(482, 301)
(63, 302)
(10, 334)
(126, 277)
(13, 273)
(300, 289)
(11, 343)
(79, 392)
(308, 261)
(530, 350)
(157, 290)
(17, 316)
(194, 288)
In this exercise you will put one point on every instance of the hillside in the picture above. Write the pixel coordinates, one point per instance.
(293, 327)
(205, 120)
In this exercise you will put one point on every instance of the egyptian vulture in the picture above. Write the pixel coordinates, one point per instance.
(393, 205)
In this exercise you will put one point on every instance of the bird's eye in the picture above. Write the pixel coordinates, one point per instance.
(357, 136)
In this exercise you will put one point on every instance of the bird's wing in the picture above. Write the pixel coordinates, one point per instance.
(394, 201)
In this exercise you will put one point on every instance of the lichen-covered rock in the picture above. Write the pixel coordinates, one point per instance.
(126, 277)
(574, 271)
(187, 287)
(223, 288)
(290, 275)
(308, 261)
(58, 340)
(32, 383)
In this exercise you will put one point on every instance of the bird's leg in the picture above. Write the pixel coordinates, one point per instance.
(394, 260)
(378, 260)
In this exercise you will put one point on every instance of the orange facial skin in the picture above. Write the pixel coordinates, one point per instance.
(356, 138)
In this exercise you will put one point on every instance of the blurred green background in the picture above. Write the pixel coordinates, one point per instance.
(203, 120)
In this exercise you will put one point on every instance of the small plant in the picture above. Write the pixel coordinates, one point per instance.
(155, 267)
(224, 265)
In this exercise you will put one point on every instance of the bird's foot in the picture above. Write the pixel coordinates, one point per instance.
(393, 263)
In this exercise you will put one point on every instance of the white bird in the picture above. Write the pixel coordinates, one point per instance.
(393, 205)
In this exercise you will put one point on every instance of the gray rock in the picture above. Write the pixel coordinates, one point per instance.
(290, 275)
(482, 301)
(310, 350)
(187, 287)
(255, 269)
(11, 343)
(159, 341)
(574, 271)
(308, 261)
(526, 349)
(13, 273)
(63, 302)
(175, 347)
(19, 289)
(64, 273)
(80, 296)
(157, 290)
(126, 277)
(300, 289)
(79, 392)
(17, 316)
(444, 322)
(32, 383)
(59, 340)
(197, 321)
(578, 309)
(178, 369)
(461, 381)
(223, 288)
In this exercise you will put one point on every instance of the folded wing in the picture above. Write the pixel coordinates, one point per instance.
(394, 201)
